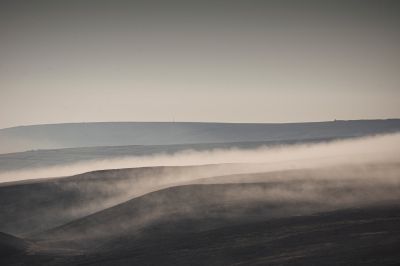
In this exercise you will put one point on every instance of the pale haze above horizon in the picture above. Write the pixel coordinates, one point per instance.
(221, 61)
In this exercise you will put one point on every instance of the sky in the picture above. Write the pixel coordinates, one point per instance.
(221, 61)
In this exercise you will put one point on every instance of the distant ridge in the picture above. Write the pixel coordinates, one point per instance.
(69, 135)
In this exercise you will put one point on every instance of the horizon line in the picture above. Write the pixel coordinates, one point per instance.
(199, 122)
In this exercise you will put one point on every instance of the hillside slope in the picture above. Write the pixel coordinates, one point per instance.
(36, 205)
(157, 133)
(363, 236)
(342, 215)
(360, 236)
(208, 206)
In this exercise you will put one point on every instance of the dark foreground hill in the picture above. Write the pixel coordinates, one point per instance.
(54, 136)
(361, 236)
(28, 207)
(11, 245)
(366, 236)
(36, 205)
(347, 214)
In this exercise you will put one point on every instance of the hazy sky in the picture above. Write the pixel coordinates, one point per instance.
(231, 61)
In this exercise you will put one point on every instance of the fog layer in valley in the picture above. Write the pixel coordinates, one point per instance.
(384, 148)
(358, 171)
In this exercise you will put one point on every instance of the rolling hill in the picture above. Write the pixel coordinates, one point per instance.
(298, 217)
(332, 203)
(55, 136)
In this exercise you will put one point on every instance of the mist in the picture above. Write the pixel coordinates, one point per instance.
(200, 132)
(291, 179)
(240, 198)
(381, 148)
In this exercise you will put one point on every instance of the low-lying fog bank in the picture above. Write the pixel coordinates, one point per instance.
(345, 190)
(383, 148)
(234, 199)
(367, 168)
